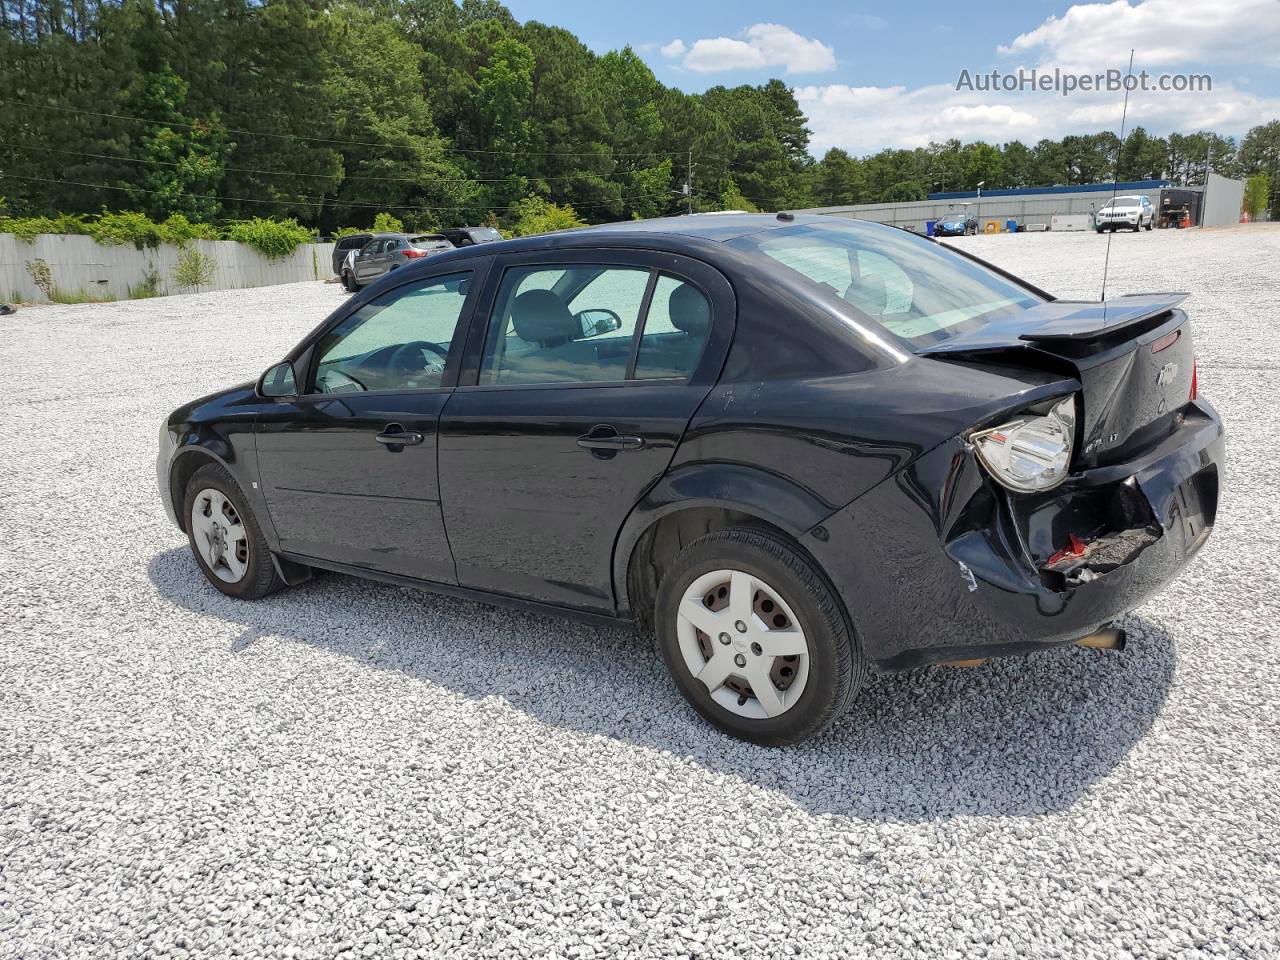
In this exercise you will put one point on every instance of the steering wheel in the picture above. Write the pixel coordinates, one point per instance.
(403, 361)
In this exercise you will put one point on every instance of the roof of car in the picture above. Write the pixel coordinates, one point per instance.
(686, 235)
(708, 226)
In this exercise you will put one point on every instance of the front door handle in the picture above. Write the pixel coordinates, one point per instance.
(396, 437)
(607, 440)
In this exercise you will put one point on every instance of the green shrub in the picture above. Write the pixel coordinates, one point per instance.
(386, 223)
(116, 229)
(194, 269)
(536, 215)
(346, 232)
(28, 228)
(178, 230)
(274, 239)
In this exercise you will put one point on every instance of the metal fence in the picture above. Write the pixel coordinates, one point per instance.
(82, 268)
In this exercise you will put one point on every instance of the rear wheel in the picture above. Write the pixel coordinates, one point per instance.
(1149, 224)
(225, 537)
(755, 638)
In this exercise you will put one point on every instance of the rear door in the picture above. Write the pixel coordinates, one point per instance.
(349, 468)
(583, 370)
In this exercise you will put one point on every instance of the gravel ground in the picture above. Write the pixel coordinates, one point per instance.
(354, 770)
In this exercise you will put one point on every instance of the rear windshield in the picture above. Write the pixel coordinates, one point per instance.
(912, 287)
(431, 242)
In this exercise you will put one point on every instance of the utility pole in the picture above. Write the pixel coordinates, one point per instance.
(689, 184)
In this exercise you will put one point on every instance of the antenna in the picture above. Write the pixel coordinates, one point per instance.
(1115, 187)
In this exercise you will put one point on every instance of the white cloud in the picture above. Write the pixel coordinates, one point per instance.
(1163, 33)
(763, 45)
(673, 50)
(867, 119)
(1167, 35)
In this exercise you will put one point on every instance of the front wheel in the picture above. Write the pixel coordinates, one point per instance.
(349, 282)
(755, 638)
(1148, 224)
(225, 537)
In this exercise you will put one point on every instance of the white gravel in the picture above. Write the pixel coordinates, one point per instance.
(353, 770)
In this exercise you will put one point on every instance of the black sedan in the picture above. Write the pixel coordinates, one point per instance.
(798, 448)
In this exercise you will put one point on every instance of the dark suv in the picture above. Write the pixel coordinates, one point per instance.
(466, 236)
(385, 252)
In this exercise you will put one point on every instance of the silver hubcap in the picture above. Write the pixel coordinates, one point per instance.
(740, 639)
(219, 535)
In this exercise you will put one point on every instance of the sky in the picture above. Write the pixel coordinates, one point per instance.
(870, 76)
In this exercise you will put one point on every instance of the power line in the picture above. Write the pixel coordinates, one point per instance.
(357, 143)
(289, 173)
(306, 203)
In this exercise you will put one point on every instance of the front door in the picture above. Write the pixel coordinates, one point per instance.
(589, 373)
(349, 468)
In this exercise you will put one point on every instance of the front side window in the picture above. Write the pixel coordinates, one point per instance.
(579, 324)
(914, 288)
(399, 341)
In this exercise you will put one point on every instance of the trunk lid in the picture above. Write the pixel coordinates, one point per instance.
(1133, 355)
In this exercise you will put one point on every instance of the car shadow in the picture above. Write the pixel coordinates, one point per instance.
(1020, 736)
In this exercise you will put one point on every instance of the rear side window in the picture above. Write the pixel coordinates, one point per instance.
(587, 324)
(910, 286)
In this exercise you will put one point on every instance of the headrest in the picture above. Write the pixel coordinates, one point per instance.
(540, 316)
(869, 293)
(688, 310)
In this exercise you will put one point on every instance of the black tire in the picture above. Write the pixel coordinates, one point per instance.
(1137, 226)
(1148, 224)
(836, 668)
(349, 282)
(260, 577)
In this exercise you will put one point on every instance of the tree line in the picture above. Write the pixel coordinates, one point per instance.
(438, 113)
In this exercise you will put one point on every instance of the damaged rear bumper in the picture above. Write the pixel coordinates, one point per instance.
(941, 563)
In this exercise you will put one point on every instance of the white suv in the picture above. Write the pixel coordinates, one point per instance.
(1133, 213)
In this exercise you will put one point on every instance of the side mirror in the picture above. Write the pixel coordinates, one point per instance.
(278, 381)
(593, 323)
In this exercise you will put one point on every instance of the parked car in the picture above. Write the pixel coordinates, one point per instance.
(956, 225)
(385, 252)
(1132, 213)
(800, 449)
(466, 236)
(346, 245)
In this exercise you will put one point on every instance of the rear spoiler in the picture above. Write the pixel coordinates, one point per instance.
(1060, 321)
(1091, 319)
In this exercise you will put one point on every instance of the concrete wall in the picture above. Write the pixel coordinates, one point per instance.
(1223, 199)
(1024, 209)
(80, 265)
(1224, 195)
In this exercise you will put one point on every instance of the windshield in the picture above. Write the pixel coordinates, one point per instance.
(952, 217)
(912, 287)
(1121, 202)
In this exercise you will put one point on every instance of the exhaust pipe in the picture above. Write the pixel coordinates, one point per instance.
(1109, 638)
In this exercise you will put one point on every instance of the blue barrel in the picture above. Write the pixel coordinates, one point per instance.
(928, 227)
(1011, 226)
